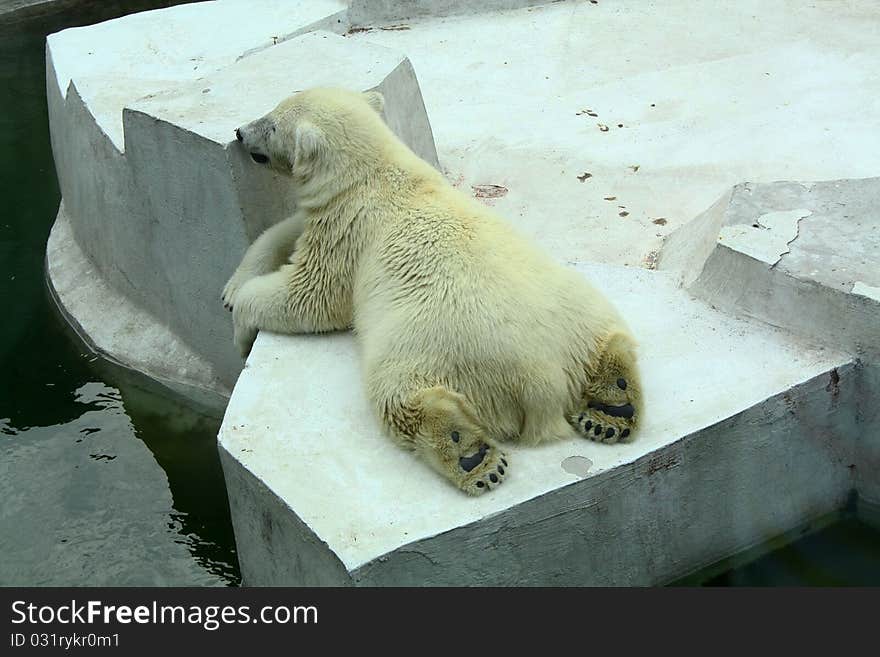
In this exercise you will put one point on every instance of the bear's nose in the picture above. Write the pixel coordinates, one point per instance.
(238, 134)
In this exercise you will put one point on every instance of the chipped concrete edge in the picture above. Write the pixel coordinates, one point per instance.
(686, 250)
(364, 13)
(864, 290)
(767, 238)
(740, 284)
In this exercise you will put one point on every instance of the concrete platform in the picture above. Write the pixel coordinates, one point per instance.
(761, 92)
(760, 380)
(319, 496)
(804, 256)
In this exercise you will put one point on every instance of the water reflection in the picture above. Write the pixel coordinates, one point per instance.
(88, 502)
(103, 480)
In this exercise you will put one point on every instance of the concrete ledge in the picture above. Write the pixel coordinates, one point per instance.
(802, 256)
(142, 112)
(119, 61)
(727, 399)
(78, 290)
(375, 12)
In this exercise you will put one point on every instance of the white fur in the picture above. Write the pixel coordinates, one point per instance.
(464, 326)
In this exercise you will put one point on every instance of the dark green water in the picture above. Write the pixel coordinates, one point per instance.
(845, 554)
(106, 481)
(101, 481)
(840, 550)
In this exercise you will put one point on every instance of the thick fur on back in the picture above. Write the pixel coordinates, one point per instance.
(439, 290)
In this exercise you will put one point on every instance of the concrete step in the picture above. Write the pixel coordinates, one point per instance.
(743, 435)
(803, 256)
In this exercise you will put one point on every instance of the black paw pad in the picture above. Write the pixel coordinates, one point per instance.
(624, 433)
(501, 469)
(480, 484)
(621, 383)
(588, 425)
(597, 430)
(493, 478)
(626, 410)
(610, 433)
(468, 463)
(455, 436)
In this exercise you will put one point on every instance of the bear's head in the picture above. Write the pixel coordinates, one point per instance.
(318, 134)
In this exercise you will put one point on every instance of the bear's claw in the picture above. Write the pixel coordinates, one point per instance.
(230, 291)
(605, 423)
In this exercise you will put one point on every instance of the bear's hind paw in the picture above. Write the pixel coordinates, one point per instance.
(606, 424)
(610, 415)
(482, 471)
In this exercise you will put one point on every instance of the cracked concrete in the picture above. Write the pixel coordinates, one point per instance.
(767, 238)
(833, 253)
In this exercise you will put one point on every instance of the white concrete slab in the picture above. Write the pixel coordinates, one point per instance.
(823, 287)
(214, 104)
(116, 62)
(866, 290)
(804, 257)
(299, 422)
(707, 98)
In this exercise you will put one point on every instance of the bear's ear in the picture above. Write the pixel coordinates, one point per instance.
(310, 142)
(376, 100)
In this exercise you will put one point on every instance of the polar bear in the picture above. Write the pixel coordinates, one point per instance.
(469, 335)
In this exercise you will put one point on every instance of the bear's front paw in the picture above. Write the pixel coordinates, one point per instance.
(230, 291)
